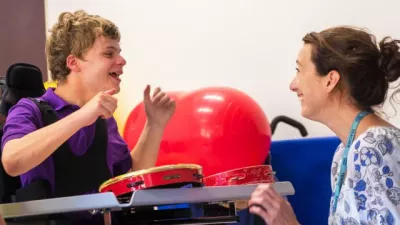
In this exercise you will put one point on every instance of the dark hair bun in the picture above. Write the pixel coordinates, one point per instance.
(389, 61)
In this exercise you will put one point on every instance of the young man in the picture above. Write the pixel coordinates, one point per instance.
(83, 148)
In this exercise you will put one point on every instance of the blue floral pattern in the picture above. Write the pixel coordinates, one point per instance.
(371, 191)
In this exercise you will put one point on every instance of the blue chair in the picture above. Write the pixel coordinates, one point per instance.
(306, 163)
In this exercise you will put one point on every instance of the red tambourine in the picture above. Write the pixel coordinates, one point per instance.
(155, 177)
(242, 176)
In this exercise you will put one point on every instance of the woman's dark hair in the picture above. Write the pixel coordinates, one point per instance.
(365, 68)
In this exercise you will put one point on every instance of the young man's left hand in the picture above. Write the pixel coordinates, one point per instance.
(159, 108)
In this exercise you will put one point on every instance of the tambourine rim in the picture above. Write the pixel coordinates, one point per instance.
(240, 168)
(149, 170)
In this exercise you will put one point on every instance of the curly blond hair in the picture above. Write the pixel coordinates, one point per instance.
(75, 33)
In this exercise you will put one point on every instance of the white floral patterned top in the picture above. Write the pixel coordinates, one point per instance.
(371, 190)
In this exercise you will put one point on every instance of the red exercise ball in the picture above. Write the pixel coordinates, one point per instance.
(218, 128)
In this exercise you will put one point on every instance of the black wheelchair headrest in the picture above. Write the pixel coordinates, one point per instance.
(22, 80)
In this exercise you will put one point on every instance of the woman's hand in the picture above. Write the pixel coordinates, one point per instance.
(2, 221)
(269, 205)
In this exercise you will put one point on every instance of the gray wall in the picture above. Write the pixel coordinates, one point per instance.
(22, 34)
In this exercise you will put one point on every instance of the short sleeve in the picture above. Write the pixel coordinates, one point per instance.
(22, 119)
(376, 178)
(119, 153)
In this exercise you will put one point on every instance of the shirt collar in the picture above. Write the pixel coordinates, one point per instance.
(56, 101)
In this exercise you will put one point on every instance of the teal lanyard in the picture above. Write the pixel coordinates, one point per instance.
(343, 166)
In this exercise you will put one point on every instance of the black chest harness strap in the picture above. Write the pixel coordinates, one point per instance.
(74, 175)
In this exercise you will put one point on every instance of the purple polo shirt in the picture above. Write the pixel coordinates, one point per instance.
(25, 117)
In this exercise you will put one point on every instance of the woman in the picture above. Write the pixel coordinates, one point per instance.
(341, 76)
